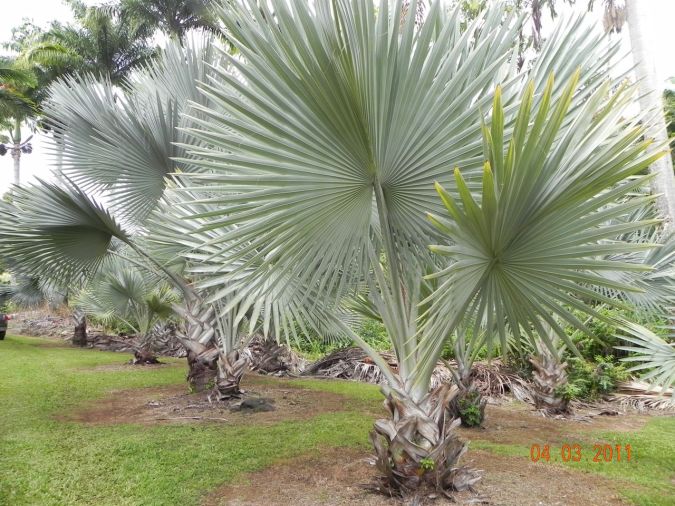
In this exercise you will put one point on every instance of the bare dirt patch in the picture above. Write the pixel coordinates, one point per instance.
(520, 424)
(128, 366)
(336, 478)
(173, 404)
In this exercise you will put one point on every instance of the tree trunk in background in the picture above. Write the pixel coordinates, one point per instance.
(548, 377)
(651, 100)
(202, 370)
(80, 333)
(16, 152)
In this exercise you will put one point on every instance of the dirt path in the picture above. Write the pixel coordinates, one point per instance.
(515, 423)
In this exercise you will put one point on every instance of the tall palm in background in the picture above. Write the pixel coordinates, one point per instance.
(19, 91)
(651, 101)
(103, 42)
(172, 17)
(336, 124)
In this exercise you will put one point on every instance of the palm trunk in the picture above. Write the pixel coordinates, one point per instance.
(231, 369)
(198, 340)
(549, 377)
(16, 156)
(16, 151)
(469, 405)
(651, 101)
(145, 354)
(208, 366)
(418, 448)
(80, 333)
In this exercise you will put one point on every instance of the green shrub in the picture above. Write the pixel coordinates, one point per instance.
(602, 340)
(589, 380)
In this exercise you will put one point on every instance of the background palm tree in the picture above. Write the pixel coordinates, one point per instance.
(651, 100)
(18, 91)
(172, 17)
(103, 41)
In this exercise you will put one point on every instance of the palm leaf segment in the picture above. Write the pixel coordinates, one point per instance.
(552, 211)
(178, 232)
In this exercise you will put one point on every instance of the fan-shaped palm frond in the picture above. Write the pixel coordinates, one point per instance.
(178, 231)
(56, 232)
(125, 141)
(544, 226)
(120, 291)
(652, 355)
(30, 292)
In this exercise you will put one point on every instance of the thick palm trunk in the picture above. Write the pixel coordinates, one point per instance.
(418, 448)
(80, 332)
(548, 377)
(231, 369)
(650, 101)
(146, 353)
(208, 366)
(199, 341)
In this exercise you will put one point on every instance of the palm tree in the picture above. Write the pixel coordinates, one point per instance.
(123, 292)
(104, 42)
(123, 145)
(17, 89)
(173, 17)
(336, 124)
(650, 100)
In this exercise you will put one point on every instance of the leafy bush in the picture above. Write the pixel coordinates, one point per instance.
(374, 333)
(313, 346)
(603, 337)
(469, 410)
(591, 379)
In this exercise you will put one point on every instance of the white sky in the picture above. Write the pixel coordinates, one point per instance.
(41, 12)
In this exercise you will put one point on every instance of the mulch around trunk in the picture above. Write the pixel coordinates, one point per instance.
(335, 478)
(174, 404)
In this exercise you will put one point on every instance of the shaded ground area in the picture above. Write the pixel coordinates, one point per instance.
(334, 478)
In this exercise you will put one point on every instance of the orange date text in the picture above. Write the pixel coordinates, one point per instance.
(575, 453)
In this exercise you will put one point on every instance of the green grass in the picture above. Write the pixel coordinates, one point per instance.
(48, 462)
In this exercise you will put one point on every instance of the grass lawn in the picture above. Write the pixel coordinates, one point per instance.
(45, 461)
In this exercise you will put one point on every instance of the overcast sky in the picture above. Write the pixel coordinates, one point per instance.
(41, 12)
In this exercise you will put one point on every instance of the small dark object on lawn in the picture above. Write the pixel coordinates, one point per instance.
(144, 357)
(256, 405)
